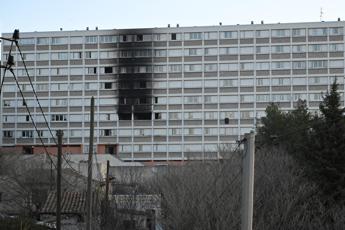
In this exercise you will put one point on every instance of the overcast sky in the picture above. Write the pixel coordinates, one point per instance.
(49, 15)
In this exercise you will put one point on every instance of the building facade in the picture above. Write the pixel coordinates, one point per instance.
(163, 93)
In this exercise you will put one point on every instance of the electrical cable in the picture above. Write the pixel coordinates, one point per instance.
(6, 67)
(41, 109)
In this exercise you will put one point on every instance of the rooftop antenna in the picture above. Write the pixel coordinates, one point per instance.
(321, 14)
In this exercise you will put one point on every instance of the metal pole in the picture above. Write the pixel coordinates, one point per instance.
(248, 182)
(59, 134)
(89, 177)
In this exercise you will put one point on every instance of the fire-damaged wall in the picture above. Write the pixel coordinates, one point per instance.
(135, 76)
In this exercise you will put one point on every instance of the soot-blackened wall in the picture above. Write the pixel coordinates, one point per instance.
(134, 88)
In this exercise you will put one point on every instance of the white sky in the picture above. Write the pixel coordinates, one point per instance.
(43, 15)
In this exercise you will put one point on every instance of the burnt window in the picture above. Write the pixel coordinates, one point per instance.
(107, 132)
(139, 37)
(108, 69)
(142, 85)
(122, 101)
(143, 100)
(108, 85)
(173, 36)
(158, 116)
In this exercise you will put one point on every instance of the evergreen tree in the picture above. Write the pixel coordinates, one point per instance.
(324, 155)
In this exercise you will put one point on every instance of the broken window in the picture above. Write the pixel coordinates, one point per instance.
(107, 132)
(108, 69)
(139, 37)
(173, 36)
(108, 85)
(158, 116)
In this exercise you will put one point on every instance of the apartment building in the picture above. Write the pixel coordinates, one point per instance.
(163, 93)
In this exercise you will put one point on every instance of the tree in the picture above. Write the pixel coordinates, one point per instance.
(324, 154)
(273, 125)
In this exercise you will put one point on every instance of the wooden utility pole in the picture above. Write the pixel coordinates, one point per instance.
(59, 135)
(248, 182)
(105, 213)
(89, 177)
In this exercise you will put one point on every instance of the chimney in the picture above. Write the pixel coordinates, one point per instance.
(60, 29)
(338, 19)
(96, 27)
(168, 25)
(220, 23)
(262, 22)
(252, 22)
(87, 28)
(177, 25)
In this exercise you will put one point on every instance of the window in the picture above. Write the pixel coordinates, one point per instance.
(318, 48)
(262, 97)
(298, 65)
(108, 69)
(336, 47)
(91, 70)
(193, 52)
(108, 85)
(108, 39)
(280, 65)
(193, 68)
(192, 99)
(280, 33)
(160, 53)
(262, 33)
(280, 81)
(59, 41)
(262, 65)
(42, 41)
(27, 41)
(298, 32)
(75, 55)
(175, 68)
(228, 51)
(228, 67)
(228, 83)
(280, 49)
(299, 81)
(228, 34)
(92, 55)
(210, 35)
(262, 49)
(42, 56)
(318, 32)
(210, 67)
(247, 50)
(173, 36)
(336, 31)
(247, 34)
(336, 64)
(193, 36)
(8, 133)
(76, 40)
(247, 66)
(27, 134)
(299, 49)
(58, 117)
(175, 53)
(107, 132)
(90, 39)
(318, 64)
(228, 99)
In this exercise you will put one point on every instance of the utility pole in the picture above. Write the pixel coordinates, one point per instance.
(59, 135)
(106, 200)
(248, 182)
(89, 177)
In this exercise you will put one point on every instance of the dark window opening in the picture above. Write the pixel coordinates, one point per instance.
(27, 150)
(173, 36)
(108, 85)
(142, 116)
(24, 103)
(110, 149)
(124, 38)
(156, 100)
(8, 134)
(122, 101)
(139, 37)
(143, 100)
(142, 85)
(94, 70)
(27, 118)
(107, 132)
(158, 116)
(125, 116)
(0, 196)
(108, 69)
